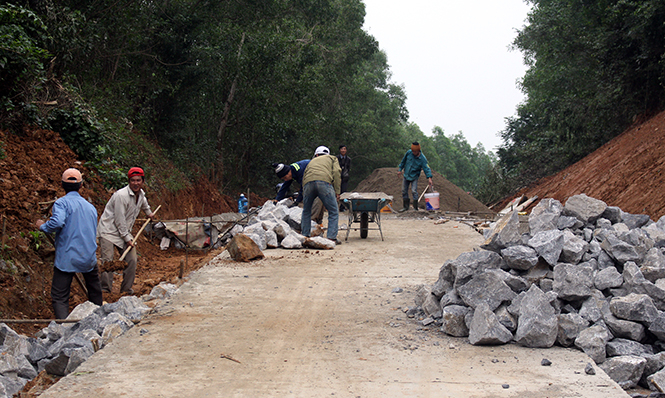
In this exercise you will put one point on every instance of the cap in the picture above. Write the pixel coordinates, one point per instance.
(322, 150)
(72, 175)
(281, 169)
(135, 171)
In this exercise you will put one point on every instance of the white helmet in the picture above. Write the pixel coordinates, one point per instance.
(322, 150)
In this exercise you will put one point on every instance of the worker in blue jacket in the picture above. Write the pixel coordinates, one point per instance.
(412, 163)
(289, 173)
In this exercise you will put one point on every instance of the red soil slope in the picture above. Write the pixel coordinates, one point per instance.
(628, 172)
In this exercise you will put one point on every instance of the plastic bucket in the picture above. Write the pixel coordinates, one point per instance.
(432, 201)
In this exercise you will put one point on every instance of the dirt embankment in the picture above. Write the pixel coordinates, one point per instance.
(451, 197)
(31, 165)
(628, 172)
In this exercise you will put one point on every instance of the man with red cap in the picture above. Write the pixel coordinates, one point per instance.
(74, 221)
(115, 228)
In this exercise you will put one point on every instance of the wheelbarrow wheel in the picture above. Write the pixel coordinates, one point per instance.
(364, 225)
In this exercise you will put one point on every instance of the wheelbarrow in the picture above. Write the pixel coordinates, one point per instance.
(365, 208)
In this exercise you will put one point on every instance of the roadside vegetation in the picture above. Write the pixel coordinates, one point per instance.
(223, 89)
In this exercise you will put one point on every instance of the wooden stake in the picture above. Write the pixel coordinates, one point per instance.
(145, 224)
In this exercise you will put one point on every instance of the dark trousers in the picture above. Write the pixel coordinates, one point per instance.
(344, 185)
(61, 286)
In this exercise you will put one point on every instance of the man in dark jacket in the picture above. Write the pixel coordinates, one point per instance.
(345, 164)
(289, 173)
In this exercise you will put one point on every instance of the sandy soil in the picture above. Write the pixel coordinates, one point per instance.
(323, 323)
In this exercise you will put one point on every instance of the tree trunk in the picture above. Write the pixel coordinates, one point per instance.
(219, 168)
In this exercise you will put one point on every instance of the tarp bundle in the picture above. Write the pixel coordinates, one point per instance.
(197, 232)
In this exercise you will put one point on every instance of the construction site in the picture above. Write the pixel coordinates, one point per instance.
(352, 321)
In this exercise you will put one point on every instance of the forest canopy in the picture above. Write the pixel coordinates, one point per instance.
(224, 87)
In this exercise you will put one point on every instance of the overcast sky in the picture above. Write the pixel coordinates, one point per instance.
(453, 58)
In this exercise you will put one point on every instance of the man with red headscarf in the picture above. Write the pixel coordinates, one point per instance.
(115, 228)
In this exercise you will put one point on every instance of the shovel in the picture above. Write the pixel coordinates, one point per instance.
(118, 265)
(425, 190)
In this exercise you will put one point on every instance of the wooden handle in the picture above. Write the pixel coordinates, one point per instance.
(138, 234)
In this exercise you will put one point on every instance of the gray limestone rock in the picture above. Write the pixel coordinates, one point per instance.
(585, 208)
(292, 241)
(506, 318)
(573, 248)
(607, 278)
(163, 291)
(506, 232)
(613, 214)
(271, 239)
(452, 320)
(655, 363)
(485, 328)
(594, 307)
(657, 326)
(132, 307)
(573, 282)
(567, 222)
(625, 370)
(488, 288)
(475, 263)
(634, 307)
(623, 328)
(653, 265)
(635, 220)
(656, 381)
(619, 250)
(259, 239)
(537, 322)
(545, 215)
(593, 340)
(451, 298)
(635, 282)
(422, 292)
(619, 347)
(431, 306)
(548, 245)
(569, 327)
(520, 257)
(446, 279)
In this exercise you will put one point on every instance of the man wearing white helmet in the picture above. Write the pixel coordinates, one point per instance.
(322, 179)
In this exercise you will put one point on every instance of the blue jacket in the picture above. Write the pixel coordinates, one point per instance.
(74, 222)
(413, 164)
(297, 172)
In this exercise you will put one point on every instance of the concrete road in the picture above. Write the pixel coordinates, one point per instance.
(309, 323)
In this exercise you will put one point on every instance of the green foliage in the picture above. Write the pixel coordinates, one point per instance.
(2, 150)
(594, 68)
(79, 129)
(22, 35)
(36, 238)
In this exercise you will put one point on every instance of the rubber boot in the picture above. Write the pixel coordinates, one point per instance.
(405, 206)
(415, 205)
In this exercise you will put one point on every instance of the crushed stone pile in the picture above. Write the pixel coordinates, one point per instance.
(451, 197)
(584, 275)
(275, 225)
(60, 348)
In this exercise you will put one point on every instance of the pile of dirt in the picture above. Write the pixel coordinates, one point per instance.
(31, 164)
(627, 172)
(451, 197)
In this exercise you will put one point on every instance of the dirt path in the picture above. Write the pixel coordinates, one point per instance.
(319, 324)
